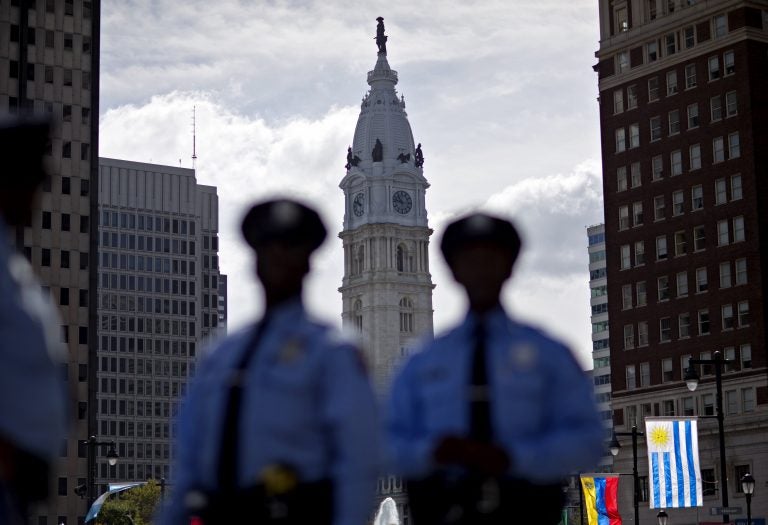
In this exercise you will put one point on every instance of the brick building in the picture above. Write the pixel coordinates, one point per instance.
(684, 126)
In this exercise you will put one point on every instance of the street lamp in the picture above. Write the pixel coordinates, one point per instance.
(663, 517)
(614, 447)
(91, 443)
(692, 381)
(748, 487)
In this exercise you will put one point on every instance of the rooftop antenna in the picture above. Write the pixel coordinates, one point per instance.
(194, 154)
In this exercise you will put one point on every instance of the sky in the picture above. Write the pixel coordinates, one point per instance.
(501, 95)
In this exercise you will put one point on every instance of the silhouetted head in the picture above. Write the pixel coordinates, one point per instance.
(481, 250)
(23, 143)
(283, 233)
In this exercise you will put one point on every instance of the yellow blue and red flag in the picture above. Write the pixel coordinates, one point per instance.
(601, 498)
(673, 463)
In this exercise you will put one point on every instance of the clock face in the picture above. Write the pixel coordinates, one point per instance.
(402, 202)
(358, 204)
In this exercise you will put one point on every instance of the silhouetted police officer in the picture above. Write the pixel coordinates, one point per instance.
(280, 423)
(488, 418)
(32, 394)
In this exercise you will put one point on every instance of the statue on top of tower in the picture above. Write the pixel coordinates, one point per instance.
(381, 38)
(418, 157)
(378, 151)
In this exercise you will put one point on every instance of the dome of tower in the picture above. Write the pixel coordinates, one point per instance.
(383, 118)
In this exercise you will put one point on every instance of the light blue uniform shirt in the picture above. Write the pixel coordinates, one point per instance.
(542, 404)
(306, 403)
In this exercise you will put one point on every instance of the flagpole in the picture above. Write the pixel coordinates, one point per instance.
(614, 446)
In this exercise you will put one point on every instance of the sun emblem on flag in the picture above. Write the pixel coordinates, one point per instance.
(660, 437)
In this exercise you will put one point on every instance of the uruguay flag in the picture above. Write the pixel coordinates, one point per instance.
(673, 463)
(601, 499)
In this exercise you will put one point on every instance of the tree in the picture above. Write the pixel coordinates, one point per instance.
(134, 506)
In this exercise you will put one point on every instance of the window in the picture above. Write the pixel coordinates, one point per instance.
(629, 337)
(735, 187)
(671, 83)
(622, 21)
(642, 333)
(688, 408)
(676, 162)
(722, 233)
(708, 482)
(659, 207)
(655, 125)
(734, 147)
(626, 296)
(690, 76)
(694, 152)
(653, 89)
(641, 293)
(701, 280)
(689, 37)
(634, 173)
(67, 77)
(623, 217)
(720, 192)
(719, 26)
(718, 149)
(748, 400)
(713, 65)
(666, 369)
(663, 288)
(741, 271)
(631, 379)
(632, 96)
(670, 43)
(406, 315)
(684, 325)
(715, 108)
(743, 312)
(726, 314)
(680, 243)
(678, 203)
(669, 407)
(650, 9)
(746, 356)
(708, 404)
(46, 220)
(621, 178)
(725, 275)
(652, 51)
(697, 197)
(681, 279)
(618, 101)
(674, 122)
(634, 135)
(66, 150)
(622, 61)
(731, 104)
(729, 63)
(64, 296)
(645, 374)
(637, 213)
(625, 264)
(661, 247)
(657, 167)
(699, 238)
(358, 315)
(693, 116)
(621, 143)
(65, 222)
(703, 321)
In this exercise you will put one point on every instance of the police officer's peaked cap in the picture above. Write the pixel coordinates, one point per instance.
(283, 220)
(479, 227)
(23, 141)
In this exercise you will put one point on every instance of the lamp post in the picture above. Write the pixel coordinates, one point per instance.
(692, 381)
(663, 517)
(748, 486)
(614, 447)
(112, 456)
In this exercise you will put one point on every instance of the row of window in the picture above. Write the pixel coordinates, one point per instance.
(147, 243)
(123, 407)
(64, 74)
(69, 7)
(140, 366)
(67, 39)
(672, 43)
(125, 471)
(404, 260)
(141, 222)
(138, 387)
(737, 401)
(684, 329)
(140, 345)
(729, 276)
(112, 428)
(127, 303)
(140, 283)
(148, 325)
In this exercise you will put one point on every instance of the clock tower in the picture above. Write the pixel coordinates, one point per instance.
(387, 287)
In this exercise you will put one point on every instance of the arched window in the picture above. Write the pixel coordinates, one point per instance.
(404, 259)
(406, 315)
(358, 260)
(357, 315)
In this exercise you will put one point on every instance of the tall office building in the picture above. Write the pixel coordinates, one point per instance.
(601, 353)
(49, 64)
(158, 302)
(684, 118)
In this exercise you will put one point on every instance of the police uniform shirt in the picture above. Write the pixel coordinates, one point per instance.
(542, 409)
(306, 403)
(33, 409)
